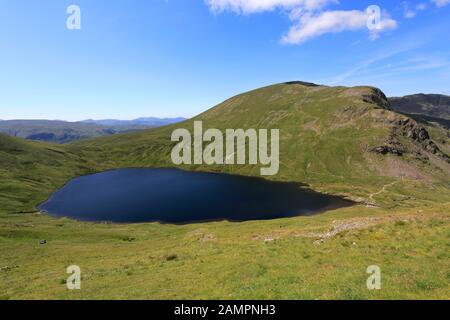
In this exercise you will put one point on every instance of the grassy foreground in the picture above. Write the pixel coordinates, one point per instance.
(297, 258)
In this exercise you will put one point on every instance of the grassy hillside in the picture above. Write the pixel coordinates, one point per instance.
(338, 140)
(30, 170)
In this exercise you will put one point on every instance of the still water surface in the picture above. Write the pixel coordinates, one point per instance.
(175, 196)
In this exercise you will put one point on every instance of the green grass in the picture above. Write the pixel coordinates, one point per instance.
(326, 136)
(225, 260)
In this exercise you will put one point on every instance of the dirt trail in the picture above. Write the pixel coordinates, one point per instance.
(347, 225)
(372, 201)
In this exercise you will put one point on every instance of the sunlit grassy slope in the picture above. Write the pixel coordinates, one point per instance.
(327, 140)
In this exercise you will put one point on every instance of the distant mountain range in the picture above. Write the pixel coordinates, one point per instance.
(56, 131)
(431, 105)
(149, 122)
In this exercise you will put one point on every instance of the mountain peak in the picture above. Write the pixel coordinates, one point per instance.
(432, 105)
(303, 83)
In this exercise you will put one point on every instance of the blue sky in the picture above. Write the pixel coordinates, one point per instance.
(180, 57)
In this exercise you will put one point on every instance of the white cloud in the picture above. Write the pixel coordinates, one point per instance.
(386, 24)
(441, 3)
(252, 6)
(421, 6)
(410, 12)
(309, 19)
(407, 11)
(313, 25)
(310, 26)
(403, 46)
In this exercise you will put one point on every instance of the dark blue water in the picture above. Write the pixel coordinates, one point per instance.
(175, 196)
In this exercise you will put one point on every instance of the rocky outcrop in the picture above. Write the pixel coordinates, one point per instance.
(378, 98)
(391, 146)
(413, 131)
(417, 134)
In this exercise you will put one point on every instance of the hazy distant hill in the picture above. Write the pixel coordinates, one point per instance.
(149, 122)
(432, 105)
(63, 132)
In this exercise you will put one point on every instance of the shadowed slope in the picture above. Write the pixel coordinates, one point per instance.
(29, 171)
(433, 105)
